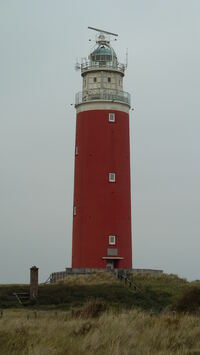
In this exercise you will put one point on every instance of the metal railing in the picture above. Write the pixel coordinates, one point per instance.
(103, 94)
(102, 65)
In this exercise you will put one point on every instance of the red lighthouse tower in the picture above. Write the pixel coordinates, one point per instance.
(102, 197)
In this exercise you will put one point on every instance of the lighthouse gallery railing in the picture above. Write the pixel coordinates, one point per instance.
(103, 94)
(102, 64)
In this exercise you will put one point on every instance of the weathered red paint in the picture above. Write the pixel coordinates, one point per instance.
(102, 208)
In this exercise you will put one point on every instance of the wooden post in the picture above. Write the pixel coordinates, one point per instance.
(33, 282)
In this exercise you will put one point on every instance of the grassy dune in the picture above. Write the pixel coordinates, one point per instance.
(99, 314)
(157, 292)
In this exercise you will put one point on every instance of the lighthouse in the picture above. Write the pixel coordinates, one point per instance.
(102, 193)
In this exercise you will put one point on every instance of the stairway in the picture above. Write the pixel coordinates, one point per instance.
(131, 284)
(22, 297)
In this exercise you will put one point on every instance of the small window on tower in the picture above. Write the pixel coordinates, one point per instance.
(112, 239)
(111, 117)
(76, 150)
(111, 177)
(94, 79)
(109, 80)
(74, 210)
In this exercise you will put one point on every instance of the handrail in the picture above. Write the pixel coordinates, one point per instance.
(131, 283)
(102, 95)
(102, 65)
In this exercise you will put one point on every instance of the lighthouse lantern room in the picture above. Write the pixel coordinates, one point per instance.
(102, 195)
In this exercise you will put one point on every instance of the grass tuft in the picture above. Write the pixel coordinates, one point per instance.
(91, 309)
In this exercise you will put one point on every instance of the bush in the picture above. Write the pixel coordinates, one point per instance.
(189, 301)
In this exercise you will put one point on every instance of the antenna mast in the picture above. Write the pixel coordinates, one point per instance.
(126, 57)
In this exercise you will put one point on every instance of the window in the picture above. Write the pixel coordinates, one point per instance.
(74, 210)
(111, 239)
(111, 177)
(109, 80)
(95, 79)
(76, 150)
(111, 117)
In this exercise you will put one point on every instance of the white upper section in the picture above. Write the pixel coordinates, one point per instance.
(102, 76)
(102, 80)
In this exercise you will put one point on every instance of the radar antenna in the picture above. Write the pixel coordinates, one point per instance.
(102, 31)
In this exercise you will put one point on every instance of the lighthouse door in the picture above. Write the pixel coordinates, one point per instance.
(110, 265)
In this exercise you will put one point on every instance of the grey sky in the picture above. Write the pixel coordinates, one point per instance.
(40, 41)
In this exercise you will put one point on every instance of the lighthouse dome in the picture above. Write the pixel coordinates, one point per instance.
(103, 55)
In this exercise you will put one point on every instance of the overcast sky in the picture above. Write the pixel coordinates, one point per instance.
(39, 43)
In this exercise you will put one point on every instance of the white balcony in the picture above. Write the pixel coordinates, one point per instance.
(103, 95)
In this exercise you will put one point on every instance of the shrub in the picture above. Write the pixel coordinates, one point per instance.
(189, 301)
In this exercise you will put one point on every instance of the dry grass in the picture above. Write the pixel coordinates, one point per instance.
(125, 333)
(96, 278)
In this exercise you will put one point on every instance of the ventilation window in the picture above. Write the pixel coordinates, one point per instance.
(112, 240)
(74, 210)
(111, 177)
(76, 150)
(111, 117)
(95, 79)
(109, 80)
